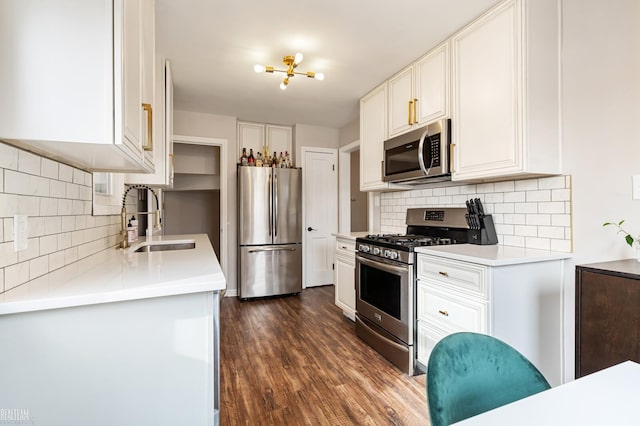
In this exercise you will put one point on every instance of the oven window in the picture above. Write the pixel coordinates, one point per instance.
(381, 289)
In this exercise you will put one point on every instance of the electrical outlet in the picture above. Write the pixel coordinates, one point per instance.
(20, 232)
(635, 187)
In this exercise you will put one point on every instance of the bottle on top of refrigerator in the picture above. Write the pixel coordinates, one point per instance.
(251, 160)
(244, 159)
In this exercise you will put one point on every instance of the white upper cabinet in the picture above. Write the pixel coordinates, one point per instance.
(373, 115)
(162, 132)
(505, 120)
(419, 94)
(74, 80)
(255, 136)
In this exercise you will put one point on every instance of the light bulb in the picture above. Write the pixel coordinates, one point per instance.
(298, 58)
(283, 86)
(319, 76)
(259, 68)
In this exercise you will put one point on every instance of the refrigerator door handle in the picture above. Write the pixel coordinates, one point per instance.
(270, 202)
(272, 249)
(275, 203)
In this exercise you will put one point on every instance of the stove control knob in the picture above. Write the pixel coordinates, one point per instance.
(375, 251)
(364, 249)
(393, 255)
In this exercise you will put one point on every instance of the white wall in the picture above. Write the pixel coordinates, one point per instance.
(601, 132)
(224, 127)
(349, 133)
(312, 136)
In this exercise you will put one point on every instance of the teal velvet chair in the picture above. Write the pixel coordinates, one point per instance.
(470, 373)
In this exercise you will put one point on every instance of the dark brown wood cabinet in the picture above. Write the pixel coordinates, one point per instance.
(607, 315)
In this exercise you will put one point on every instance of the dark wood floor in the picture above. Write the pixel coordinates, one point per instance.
(296, 360)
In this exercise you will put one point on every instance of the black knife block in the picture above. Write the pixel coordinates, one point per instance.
(486, 235)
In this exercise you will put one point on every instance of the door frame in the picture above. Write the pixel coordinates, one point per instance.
(344, 190)
(303, 152)
(224, 147)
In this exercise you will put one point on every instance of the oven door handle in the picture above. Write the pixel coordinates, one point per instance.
(383, 266)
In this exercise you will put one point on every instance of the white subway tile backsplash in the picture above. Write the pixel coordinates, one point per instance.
(507, 186)
(7, 255)
(15, 275)
(560, 220)
(551, 232)
(38, 267)
(56, 260)
(28, 163)
(554, 182)
(57, 189)
(551, 207)
(538, 243)
(484, 188)
(33, 250)
(539, 219)
(515, 197)
(48, 244)
(8, 157)
(65, 173)
(57, 199)
(561, 195)
(526, 230)
(36, 226)
(48, 206)
(49, 168)
(542, 195)
(8, 205)
(526, 208)
(28, 205)
(533, 213)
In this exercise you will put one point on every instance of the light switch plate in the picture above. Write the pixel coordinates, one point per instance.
(20, 232)
(635, 187)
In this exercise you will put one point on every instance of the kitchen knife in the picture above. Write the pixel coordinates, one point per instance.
(480, 207)
(474, 214)
(468, 215)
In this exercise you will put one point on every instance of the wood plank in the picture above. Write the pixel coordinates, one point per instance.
(296, 360)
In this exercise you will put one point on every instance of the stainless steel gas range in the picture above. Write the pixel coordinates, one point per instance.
(385, 277)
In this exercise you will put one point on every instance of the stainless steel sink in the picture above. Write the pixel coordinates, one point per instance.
(165, 246)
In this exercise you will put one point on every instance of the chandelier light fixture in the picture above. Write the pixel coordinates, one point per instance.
(291, 62)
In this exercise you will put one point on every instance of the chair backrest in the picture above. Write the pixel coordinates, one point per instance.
(470, 373)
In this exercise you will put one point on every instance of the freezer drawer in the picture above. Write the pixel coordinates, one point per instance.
(270, 270)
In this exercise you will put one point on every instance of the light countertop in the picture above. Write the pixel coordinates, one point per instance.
(493, 255)
(350, 235)
(115, 275)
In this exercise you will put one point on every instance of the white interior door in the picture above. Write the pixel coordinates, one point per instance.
(320, 199)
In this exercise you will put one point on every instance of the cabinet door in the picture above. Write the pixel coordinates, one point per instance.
(345, 284)
(373, 118)
(250, 136)
(607, 321)
(278, 139)
(486, 85)
(132, 111)
(401, 102)
(150, 136)
(432, 85)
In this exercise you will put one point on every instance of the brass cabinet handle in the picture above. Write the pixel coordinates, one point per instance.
(409, 113)
(444, 274)
(343, 247)
(451, 162)
(445, 313)
(415, 114)
(147, 108)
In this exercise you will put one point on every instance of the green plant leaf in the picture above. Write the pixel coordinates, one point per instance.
(629, 239)
(621, 222)
(606, 223)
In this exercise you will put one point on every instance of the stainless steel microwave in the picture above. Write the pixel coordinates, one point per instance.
(419, 156)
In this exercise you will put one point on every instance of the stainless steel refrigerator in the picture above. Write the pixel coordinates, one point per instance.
(269, 231)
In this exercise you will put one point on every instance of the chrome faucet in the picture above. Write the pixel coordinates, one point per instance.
(124, 214)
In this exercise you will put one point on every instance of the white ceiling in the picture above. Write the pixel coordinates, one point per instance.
(213, 46)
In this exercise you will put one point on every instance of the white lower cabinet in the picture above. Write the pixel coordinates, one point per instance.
(518, 303)
(344, 276)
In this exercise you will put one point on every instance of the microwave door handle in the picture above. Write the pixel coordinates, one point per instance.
(424, 168)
